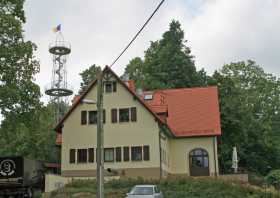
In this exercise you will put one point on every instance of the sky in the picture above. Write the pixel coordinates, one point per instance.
(218, 32)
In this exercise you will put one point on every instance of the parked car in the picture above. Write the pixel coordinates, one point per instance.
(145, 191)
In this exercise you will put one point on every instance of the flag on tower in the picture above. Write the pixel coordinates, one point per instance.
(57, 28)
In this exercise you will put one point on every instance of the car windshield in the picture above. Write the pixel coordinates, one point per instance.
(142, 191)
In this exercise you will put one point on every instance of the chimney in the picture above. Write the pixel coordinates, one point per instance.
(139, 91)
(75, 99)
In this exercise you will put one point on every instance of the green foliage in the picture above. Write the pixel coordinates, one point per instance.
(177, 188)
(249, 100)
(27, 126)
(88, 76)
(134, 70)
(273, 178)
(18, 93)
(168, 63)
(29, 134)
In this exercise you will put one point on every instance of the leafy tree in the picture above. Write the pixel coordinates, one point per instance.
(29, 134)
(88, 76)
(17, 64)
(250, 101)
(134, 70)
(26, 128)
(168, 63)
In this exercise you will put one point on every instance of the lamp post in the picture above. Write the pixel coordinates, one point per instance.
(100, 137)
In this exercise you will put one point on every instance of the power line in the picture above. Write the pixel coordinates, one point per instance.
(138, 33)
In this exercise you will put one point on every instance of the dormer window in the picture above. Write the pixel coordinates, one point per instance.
(110, 86)
(148, 97)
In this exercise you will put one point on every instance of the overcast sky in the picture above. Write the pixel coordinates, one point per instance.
(218, 31)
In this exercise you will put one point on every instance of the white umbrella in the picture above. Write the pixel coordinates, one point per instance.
(234, 160)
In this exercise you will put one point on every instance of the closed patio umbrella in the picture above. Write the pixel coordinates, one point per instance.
(234, 160)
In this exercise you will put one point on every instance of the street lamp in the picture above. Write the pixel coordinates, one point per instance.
(100, 137)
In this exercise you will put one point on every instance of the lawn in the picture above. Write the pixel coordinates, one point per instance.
(179, 188)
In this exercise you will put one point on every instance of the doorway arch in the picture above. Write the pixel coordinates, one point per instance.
(199, 162)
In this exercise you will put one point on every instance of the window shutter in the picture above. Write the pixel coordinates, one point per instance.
(91, 155)
(133, 112)
(146, 153)
(83, 117)
(104, 116)
(126, 153)
(118, 154)
(114, 114)
(72, 157)
(114, 86)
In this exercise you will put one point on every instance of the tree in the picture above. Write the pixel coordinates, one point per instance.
(168, 63)
(250, 102)
(18, 93)
(88, 76)
(27, 125)
(134, 70)
(29, 134)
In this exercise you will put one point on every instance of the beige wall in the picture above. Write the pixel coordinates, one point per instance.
(143, 132)
(180, 149)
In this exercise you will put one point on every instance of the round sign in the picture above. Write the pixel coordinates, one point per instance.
(7, 167)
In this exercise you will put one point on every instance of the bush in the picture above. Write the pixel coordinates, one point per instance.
(171, 188)
(273, 178)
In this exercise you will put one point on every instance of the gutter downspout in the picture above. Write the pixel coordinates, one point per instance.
(160, 157)
(215, 157)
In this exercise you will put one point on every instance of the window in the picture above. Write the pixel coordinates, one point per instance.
(110, 86)
(82, 156)
(91, 155)
(146, 150)
(126, 153)
(133, 113)
(84, 117)
(124, 115)
(136, 153)
(118, 154)
(72, 157)
(199, 158)
(108, 154)
(114, 115)
(148, 97)
(92, 117)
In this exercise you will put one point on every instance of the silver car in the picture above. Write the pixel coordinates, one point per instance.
(145, 191)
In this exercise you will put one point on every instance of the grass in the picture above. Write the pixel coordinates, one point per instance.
(179, 188)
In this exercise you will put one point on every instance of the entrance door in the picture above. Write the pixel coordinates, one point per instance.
(199, 162)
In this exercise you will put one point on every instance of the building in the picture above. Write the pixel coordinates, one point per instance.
(150, 134)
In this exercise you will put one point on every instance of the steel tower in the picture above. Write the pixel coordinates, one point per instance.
(58, 89)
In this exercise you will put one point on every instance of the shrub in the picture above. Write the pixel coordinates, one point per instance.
(273, 178)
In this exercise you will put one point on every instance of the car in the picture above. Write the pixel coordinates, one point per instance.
(145, 191)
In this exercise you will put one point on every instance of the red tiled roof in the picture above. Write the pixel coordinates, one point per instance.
(130, 84)
(58, 140)
(186, 112)
(190, 111)
(59, 125)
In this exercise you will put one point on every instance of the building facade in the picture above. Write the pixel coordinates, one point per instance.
(151, 134)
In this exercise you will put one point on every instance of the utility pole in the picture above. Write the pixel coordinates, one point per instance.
(100, 138)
